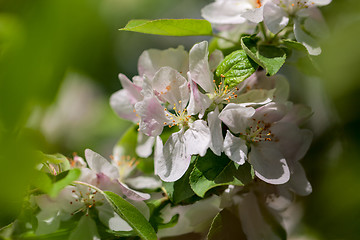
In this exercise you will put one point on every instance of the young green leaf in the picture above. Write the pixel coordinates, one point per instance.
(211, 171)
(270, 57)
(132, 216)
(170, 27)
(65, 178)
(226, 226)
(235, 68)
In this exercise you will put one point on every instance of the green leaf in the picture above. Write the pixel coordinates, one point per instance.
(180, 190)
(270, 57)
(170, 27)
(211, 171)
(173, 221)
(294, 45)
(127, 143)
(235, 68)
(132, 216)
(63, 180)
(226, 226)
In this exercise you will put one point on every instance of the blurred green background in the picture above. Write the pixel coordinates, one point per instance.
(59, 62)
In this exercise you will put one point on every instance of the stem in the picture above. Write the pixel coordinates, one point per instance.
(90, 186)
(226, 39)
(263, 30)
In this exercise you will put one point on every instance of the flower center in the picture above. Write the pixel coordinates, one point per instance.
(258, 131)
(223, 94)
(177, 117)
(87, 200)
(292, 6)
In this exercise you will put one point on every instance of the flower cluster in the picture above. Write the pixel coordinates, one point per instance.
(281, 17)
(252, 121)
(223, 140)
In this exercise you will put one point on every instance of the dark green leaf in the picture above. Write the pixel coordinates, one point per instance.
(235, 68)
(170, 27)
(132, 216)
(270, 57)
(226, 226)
(180, 190)
(211, 171)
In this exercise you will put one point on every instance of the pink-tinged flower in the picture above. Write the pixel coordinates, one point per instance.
(234, 11)
(269, 144)
(105, 175)
(309, 24)
(164, 104)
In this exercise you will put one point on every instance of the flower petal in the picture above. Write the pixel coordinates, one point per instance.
(236, 116)
(269, 164)
(199, 102)
(99, 164)
(225, 12)
(171, 86)
(217, 139)
(144, 145)
(308, 41)
(150, 61)
(152, 116)
(197, 138)
(275, 17)
(199, 66)
(171, 160)
(235, 148)
(111, 219)
(133, 194)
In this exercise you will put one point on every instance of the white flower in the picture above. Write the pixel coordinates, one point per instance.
(273, 143)
(308, 21)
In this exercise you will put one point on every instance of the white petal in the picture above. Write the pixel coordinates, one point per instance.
(235, 148)
(111, 219)
(321, 2)
(152, 116)
(133, 194)
(271, 112)
(298, 114)
(236, 117)
(171, 161)
(254, 15)
(152, 60)
(255, 97)
(144, 145)
(143, 182)
(123, 101)
(217, 138)
(308, 41)
(122, 105)
(197, 138)
(171, 86)
(269, 164)
(199, 66)
(275, 17)
(292, 141)
(99, 164)
(86, 229)
(225, 12)
(215, 58)
(199, 102)
(298, 181)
